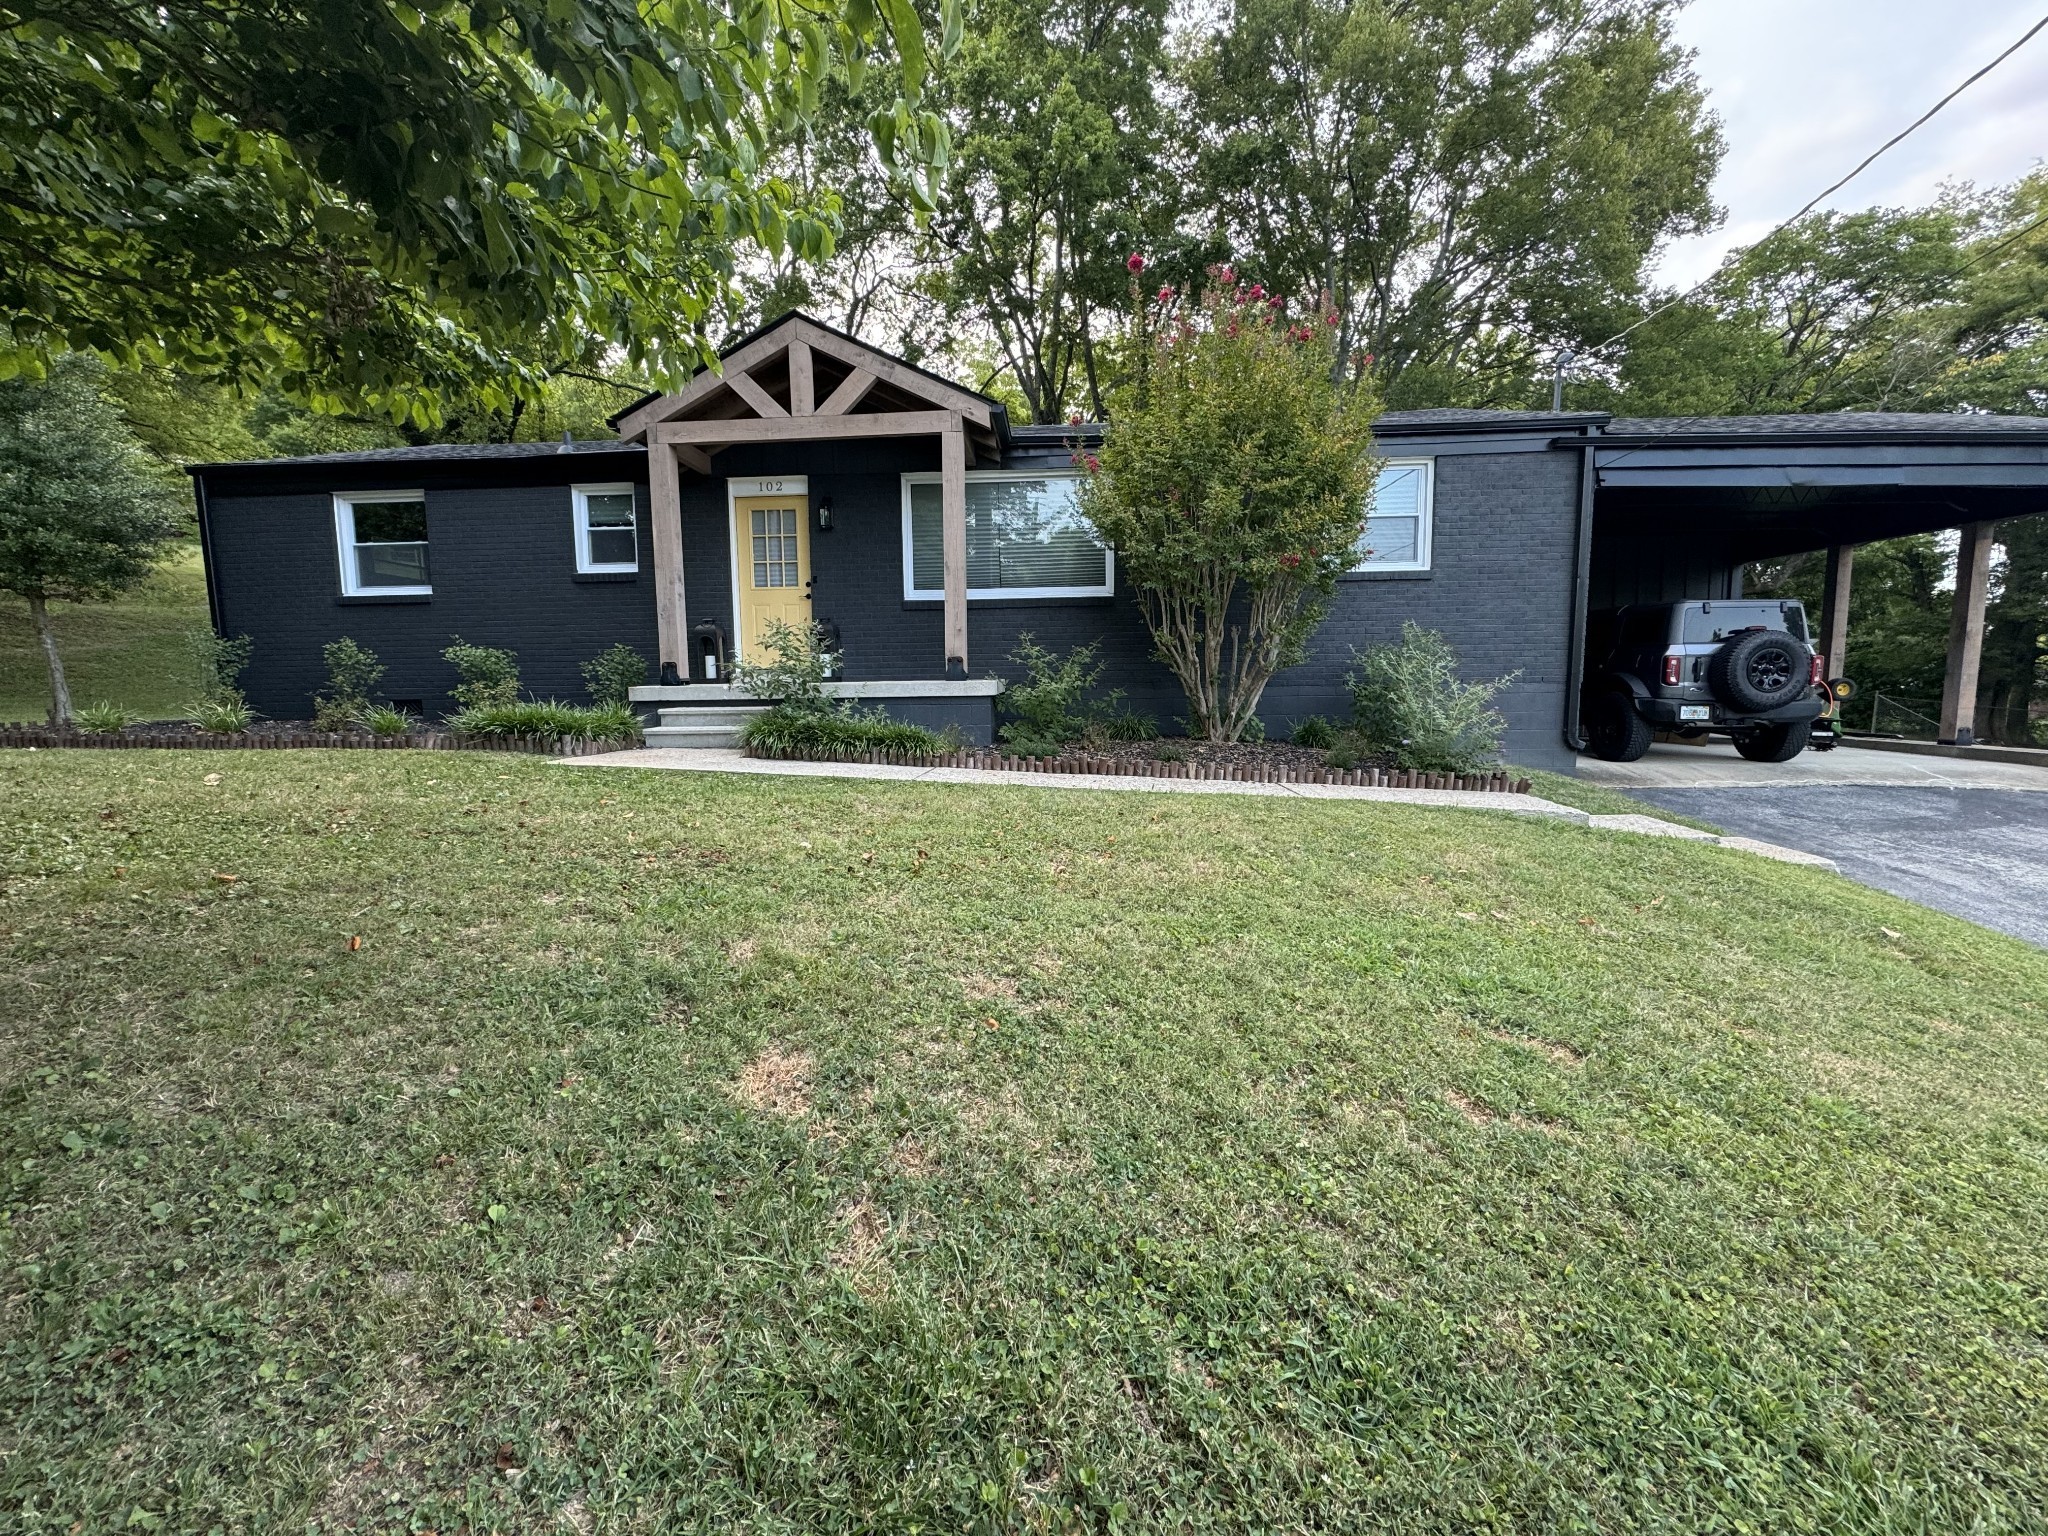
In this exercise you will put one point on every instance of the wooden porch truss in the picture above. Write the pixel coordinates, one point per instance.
(802, 382)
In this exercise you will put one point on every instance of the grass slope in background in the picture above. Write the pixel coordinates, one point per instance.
(130, 652)
(702, 1152)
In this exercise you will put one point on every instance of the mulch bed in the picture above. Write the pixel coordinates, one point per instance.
(275, 734)
(1238, 763)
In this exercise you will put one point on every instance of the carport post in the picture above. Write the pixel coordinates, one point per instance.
(1966, 636)
(1835, 609)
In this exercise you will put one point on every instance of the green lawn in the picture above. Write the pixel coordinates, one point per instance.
(130, 652)
(681, 1152)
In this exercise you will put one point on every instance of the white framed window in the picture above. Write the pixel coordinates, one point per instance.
(383, 543)
(1397, 529)
(607, 530)
(1026, 537)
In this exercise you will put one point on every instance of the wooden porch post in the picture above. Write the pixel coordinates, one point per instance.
(953, 526)
(1835, 609)
(1966, 635)
(665, 509)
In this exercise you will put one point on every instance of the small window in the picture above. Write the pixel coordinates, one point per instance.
(1397, 529)
(383, 537)
(1026, 537)
(607, 534)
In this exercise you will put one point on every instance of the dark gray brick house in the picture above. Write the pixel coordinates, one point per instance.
(817, 476)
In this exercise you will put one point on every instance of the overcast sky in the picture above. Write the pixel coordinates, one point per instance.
(1806, 88)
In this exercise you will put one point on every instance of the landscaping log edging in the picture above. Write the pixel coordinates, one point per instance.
(39, 736)
(1124, 768)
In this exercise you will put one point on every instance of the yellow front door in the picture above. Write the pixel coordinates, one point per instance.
(773, 537)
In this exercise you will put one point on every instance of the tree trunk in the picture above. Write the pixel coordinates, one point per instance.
(60, 691)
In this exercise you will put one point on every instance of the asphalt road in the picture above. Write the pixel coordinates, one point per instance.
(1979, 853)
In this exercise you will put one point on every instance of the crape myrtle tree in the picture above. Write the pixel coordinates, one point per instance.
(1233, 484)
(381, 205)
(82, 516)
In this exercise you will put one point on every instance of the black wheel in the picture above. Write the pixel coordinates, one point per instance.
(1614, 731)
(1759, 669)
(1773, 743)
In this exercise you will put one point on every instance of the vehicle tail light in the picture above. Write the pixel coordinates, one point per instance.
(1818, 669)
(1674, 671)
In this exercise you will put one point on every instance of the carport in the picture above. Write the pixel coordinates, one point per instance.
(1673, 508)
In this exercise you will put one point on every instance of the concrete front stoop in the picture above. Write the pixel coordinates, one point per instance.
(702, 725)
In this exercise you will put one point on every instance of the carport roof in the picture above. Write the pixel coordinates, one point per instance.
(1904, 427)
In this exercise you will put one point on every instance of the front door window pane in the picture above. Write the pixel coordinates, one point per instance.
(774, 536)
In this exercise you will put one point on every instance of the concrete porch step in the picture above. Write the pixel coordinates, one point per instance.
(702, 725)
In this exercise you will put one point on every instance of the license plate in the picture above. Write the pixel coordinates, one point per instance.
(1693, 712)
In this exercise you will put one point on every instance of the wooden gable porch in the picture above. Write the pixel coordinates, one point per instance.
(799, 381)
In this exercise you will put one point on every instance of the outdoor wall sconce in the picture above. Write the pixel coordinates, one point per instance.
(825, 514)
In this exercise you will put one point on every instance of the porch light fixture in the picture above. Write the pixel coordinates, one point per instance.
(824, 514)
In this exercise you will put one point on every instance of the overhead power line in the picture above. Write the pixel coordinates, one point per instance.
(1861, 166)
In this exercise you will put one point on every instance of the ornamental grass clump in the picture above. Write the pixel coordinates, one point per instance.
(836, 733)
(1233, 485)
(1409, 703)
(548, 720)
(104, 719)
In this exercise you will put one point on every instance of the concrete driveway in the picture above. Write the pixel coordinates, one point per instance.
(1959, 835)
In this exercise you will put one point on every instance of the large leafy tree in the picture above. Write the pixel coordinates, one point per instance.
(1476, 184)
(1055, 180)
(1233, 486)
(380, 203)
(83, 515)
(1836, 312)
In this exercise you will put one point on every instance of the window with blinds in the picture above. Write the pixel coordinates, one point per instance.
(1397, 530)
(1026, 537)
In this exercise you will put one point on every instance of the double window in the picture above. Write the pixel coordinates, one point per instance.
(1026, 537)
(1397, 529)
(383, 538)
(607, 532)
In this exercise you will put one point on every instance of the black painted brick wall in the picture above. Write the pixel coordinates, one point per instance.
(503, 566)
(503, 571)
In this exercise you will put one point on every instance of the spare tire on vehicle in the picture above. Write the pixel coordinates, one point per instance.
(1759, 669)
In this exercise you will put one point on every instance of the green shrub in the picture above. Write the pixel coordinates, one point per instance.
(220, 661)
(547, 718)
(1052, 705)
(1169, 752)
(227, 715)
(490, 676)
(1408, 702)
(352, 672)
(1314, 731)
(795, 674)
(791, 732)
(612, 675)
(104, 719)
(387, 721)
(1253, 730)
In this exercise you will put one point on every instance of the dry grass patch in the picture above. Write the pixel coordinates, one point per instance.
(858, 1253)
(776, 1082)
(1564, 1055)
